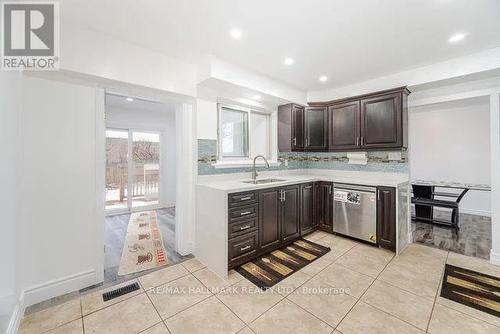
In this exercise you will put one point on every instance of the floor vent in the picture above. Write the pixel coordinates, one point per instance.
(120, 291)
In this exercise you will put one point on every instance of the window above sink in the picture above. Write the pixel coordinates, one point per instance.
(243, 133)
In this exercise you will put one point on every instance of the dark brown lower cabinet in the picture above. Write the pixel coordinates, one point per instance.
(324, 206)
(386, 217)
(269, 215)
(289, 213)
(307, 216)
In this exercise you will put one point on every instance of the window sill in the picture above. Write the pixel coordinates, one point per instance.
(243, 163)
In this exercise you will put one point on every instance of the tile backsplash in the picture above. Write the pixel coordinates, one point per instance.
(377, 161)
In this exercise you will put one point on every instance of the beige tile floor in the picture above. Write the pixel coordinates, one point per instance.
(353, 289)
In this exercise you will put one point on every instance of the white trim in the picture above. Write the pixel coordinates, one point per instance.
(186, 171)
(58, 287)
(494, 258)
(100, 183)
(15, 318)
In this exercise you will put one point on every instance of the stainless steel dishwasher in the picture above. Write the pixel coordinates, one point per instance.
(355, 211)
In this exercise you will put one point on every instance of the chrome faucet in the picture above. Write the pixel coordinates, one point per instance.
(254, 173)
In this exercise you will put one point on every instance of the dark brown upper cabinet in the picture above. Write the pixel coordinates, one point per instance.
(316, 129)
(291, 128)
(381, 125)
(344, 126)
(375, 121)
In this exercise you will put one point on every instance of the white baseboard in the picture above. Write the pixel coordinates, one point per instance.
(59, 287)
(494, 258)
(45, 291)
(16, 317)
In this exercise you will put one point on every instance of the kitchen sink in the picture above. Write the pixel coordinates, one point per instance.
(263, 181)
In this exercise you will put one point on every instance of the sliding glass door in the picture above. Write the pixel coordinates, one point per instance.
(146, 162)
(132, 169)
(116, 169)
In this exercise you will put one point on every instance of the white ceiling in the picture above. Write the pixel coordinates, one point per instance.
(347, 40)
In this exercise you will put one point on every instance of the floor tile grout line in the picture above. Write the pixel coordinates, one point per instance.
(196, 303)
(307, 311)
(359, 299)
(81, 312)
(435, 296)
(311, 277)
(157, 312)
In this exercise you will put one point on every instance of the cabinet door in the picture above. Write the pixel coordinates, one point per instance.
(269, 227)
(289, 218)
(386, 217)
(306, 208)
(285, 128)
(344, 126)
(316, 129)
(298, 134)
(325, 203)
(381, 124)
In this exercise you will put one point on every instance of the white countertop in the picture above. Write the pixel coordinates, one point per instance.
(231, 183)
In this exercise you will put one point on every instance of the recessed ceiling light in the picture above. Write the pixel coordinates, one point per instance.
(256, 97)
(235, 33)
(456, 38)
(288, 61)
(323, 78)
(129, 99)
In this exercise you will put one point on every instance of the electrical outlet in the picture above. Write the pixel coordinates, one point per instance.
(394, 156)
(286, 162)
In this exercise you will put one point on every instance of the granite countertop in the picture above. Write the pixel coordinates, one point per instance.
(237, 184)
(449, 184)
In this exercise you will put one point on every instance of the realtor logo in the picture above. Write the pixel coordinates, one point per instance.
(30, 36)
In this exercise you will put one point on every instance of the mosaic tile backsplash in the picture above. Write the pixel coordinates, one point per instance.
(377, 161)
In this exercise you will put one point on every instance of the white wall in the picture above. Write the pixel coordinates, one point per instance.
(457, 67)
(9, 109)
(451, 142)
(206, 119)
(164, 122)
(96, 54)
(57, 236)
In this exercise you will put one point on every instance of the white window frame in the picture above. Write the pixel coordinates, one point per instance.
(235, 162)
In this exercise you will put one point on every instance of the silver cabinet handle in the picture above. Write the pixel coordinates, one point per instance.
(245, 248)
(245, 198)
(308, 187)
(245, 213)
(357, 141)
(362, 140)
(246, 227)
(294, 141)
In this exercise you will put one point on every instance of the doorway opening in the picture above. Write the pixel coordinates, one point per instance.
(140, 183)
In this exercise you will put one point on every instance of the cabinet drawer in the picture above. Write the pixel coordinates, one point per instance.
(237, 228)
(249, 211)
(242, 198)
(243, 246)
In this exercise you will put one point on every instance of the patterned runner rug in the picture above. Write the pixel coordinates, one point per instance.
(143, 248)
(471, 288)
(271, 268)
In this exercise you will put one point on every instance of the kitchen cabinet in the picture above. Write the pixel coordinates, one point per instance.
(289, 213)
(386, 217)
(324, 206)
(381, 121)
(344, 126)
(269, 218)
(376, 121)
(316, 129)
(307, 212)
(291, 127)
